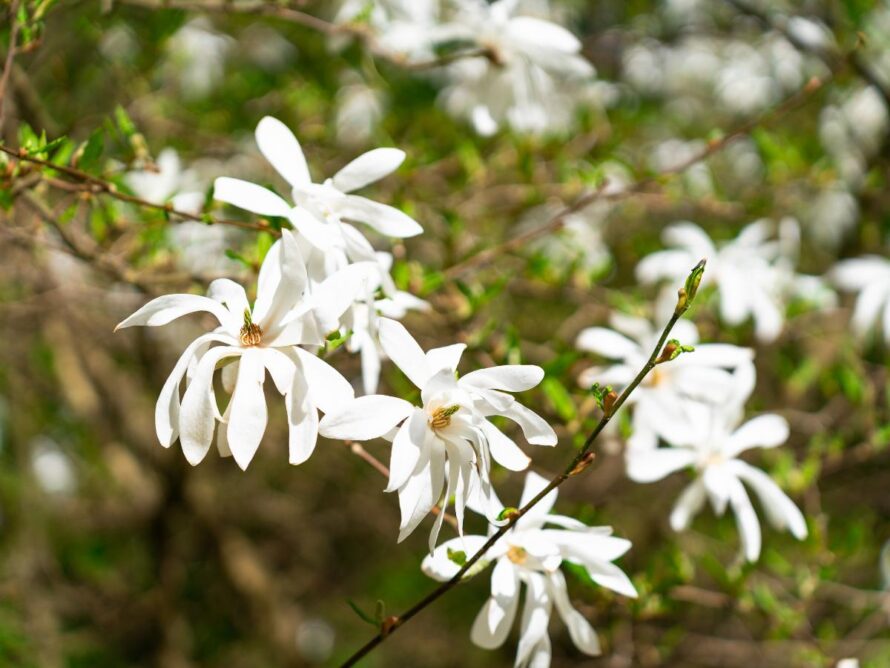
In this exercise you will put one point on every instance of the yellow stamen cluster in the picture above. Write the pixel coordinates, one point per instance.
(441, 417)
(251, 334)
(517, 555)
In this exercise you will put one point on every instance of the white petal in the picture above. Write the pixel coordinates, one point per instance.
(446, 357)
(652, 465)
(492, 625)
(534, 484)
(535, 428)
(535, 618)
(250, 197)
(283, 281)
(543, 34)
(763, 431)
(404, 351)
(338, 291)
(780, 510)
(608, 575)
(607, 343)
(387, 220)
(580, 630)
(281, 148)
(328, 389)
(302, 418)
(503, 449)
(318, 233)
(365, 418)
(688, 505)
(422, 491)
(858, 273)
(167, 406)
(161, 310)
(406, 449)
(233, 297)
(197, 416)
(247, 422)
(368, 168)
(746, 518)
(511, 377)
(868, 307)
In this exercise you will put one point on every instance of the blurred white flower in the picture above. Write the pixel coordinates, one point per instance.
(265, 337)
(168, 182)
(531, 553)
(197, 56)
(532, 78)
(713, 372)
(832, 214)
(870, 277)
(752, 272)
(52, 468)
(848, 663)
(359, 110)
(712, 445)
(407, 28)
(451, 428)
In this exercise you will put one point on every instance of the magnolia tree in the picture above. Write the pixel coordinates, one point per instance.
(507, 302)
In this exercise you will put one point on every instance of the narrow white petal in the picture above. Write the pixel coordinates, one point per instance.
(250, 197)
(606, 343)
(763, 431)
(746, 519)
(404, 351)
(503, 449)
(446, 357)
(161, 310)
(197, 416)
(406, 449)
(535, 618)
(580, 630)
(688, 505)
(327, 387)
(341, 289)
(281, 148)
(610, 576)
(365, 418)
(247, 422)
(422, 491)
(387, 220)
(535, 428)
(368, 168)
(780, 510)
(510, 378)
(652, 465)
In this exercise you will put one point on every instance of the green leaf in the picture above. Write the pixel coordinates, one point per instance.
(560, 398)
(459, 557)
(364, 616)
(91, 153)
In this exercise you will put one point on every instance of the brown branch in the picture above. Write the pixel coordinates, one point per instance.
(87, 183)
(285, 13)
(639, 187)
(578, 464)
(10, 55)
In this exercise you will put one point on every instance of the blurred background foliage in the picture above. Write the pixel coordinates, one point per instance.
(114, 552)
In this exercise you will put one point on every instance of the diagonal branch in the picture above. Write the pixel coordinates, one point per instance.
(578, 464)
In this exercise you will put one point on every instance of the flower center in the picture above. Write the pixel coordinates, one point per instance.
(251, 334)
(441, 417)
(517, 555)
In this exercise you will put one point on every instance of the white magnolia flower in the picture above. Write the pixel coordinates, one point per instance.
(870, 277)
(531, 553)
(197, 56)
(713, 372)
(407, 28)
(253, 340)
(750, 272)
(323, 209)
(531, 79)
(712, 446)
(450, 430)
(168, 182)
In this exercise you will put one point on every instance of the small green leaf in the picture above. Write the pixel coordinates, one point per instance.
(364, 616)
(459, 557)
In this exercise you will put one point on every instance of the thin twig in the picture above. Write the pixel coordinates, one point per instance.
(578, 464)
(558, 221)
(10, 55)
(285, 13)
(88, 183)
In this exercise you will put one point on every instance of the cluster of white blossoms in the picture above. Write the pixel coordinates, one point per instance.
(325, 277)
(528, 74)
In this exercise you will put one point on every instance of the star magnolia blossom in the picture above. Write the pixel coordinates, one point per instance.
(525, 80)
(450, 430)
(168, 182)
(327, 240)
(531, 553)
(253, 340)
(713, 447)
(870, 277)
(747, 272)
(713, 372)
